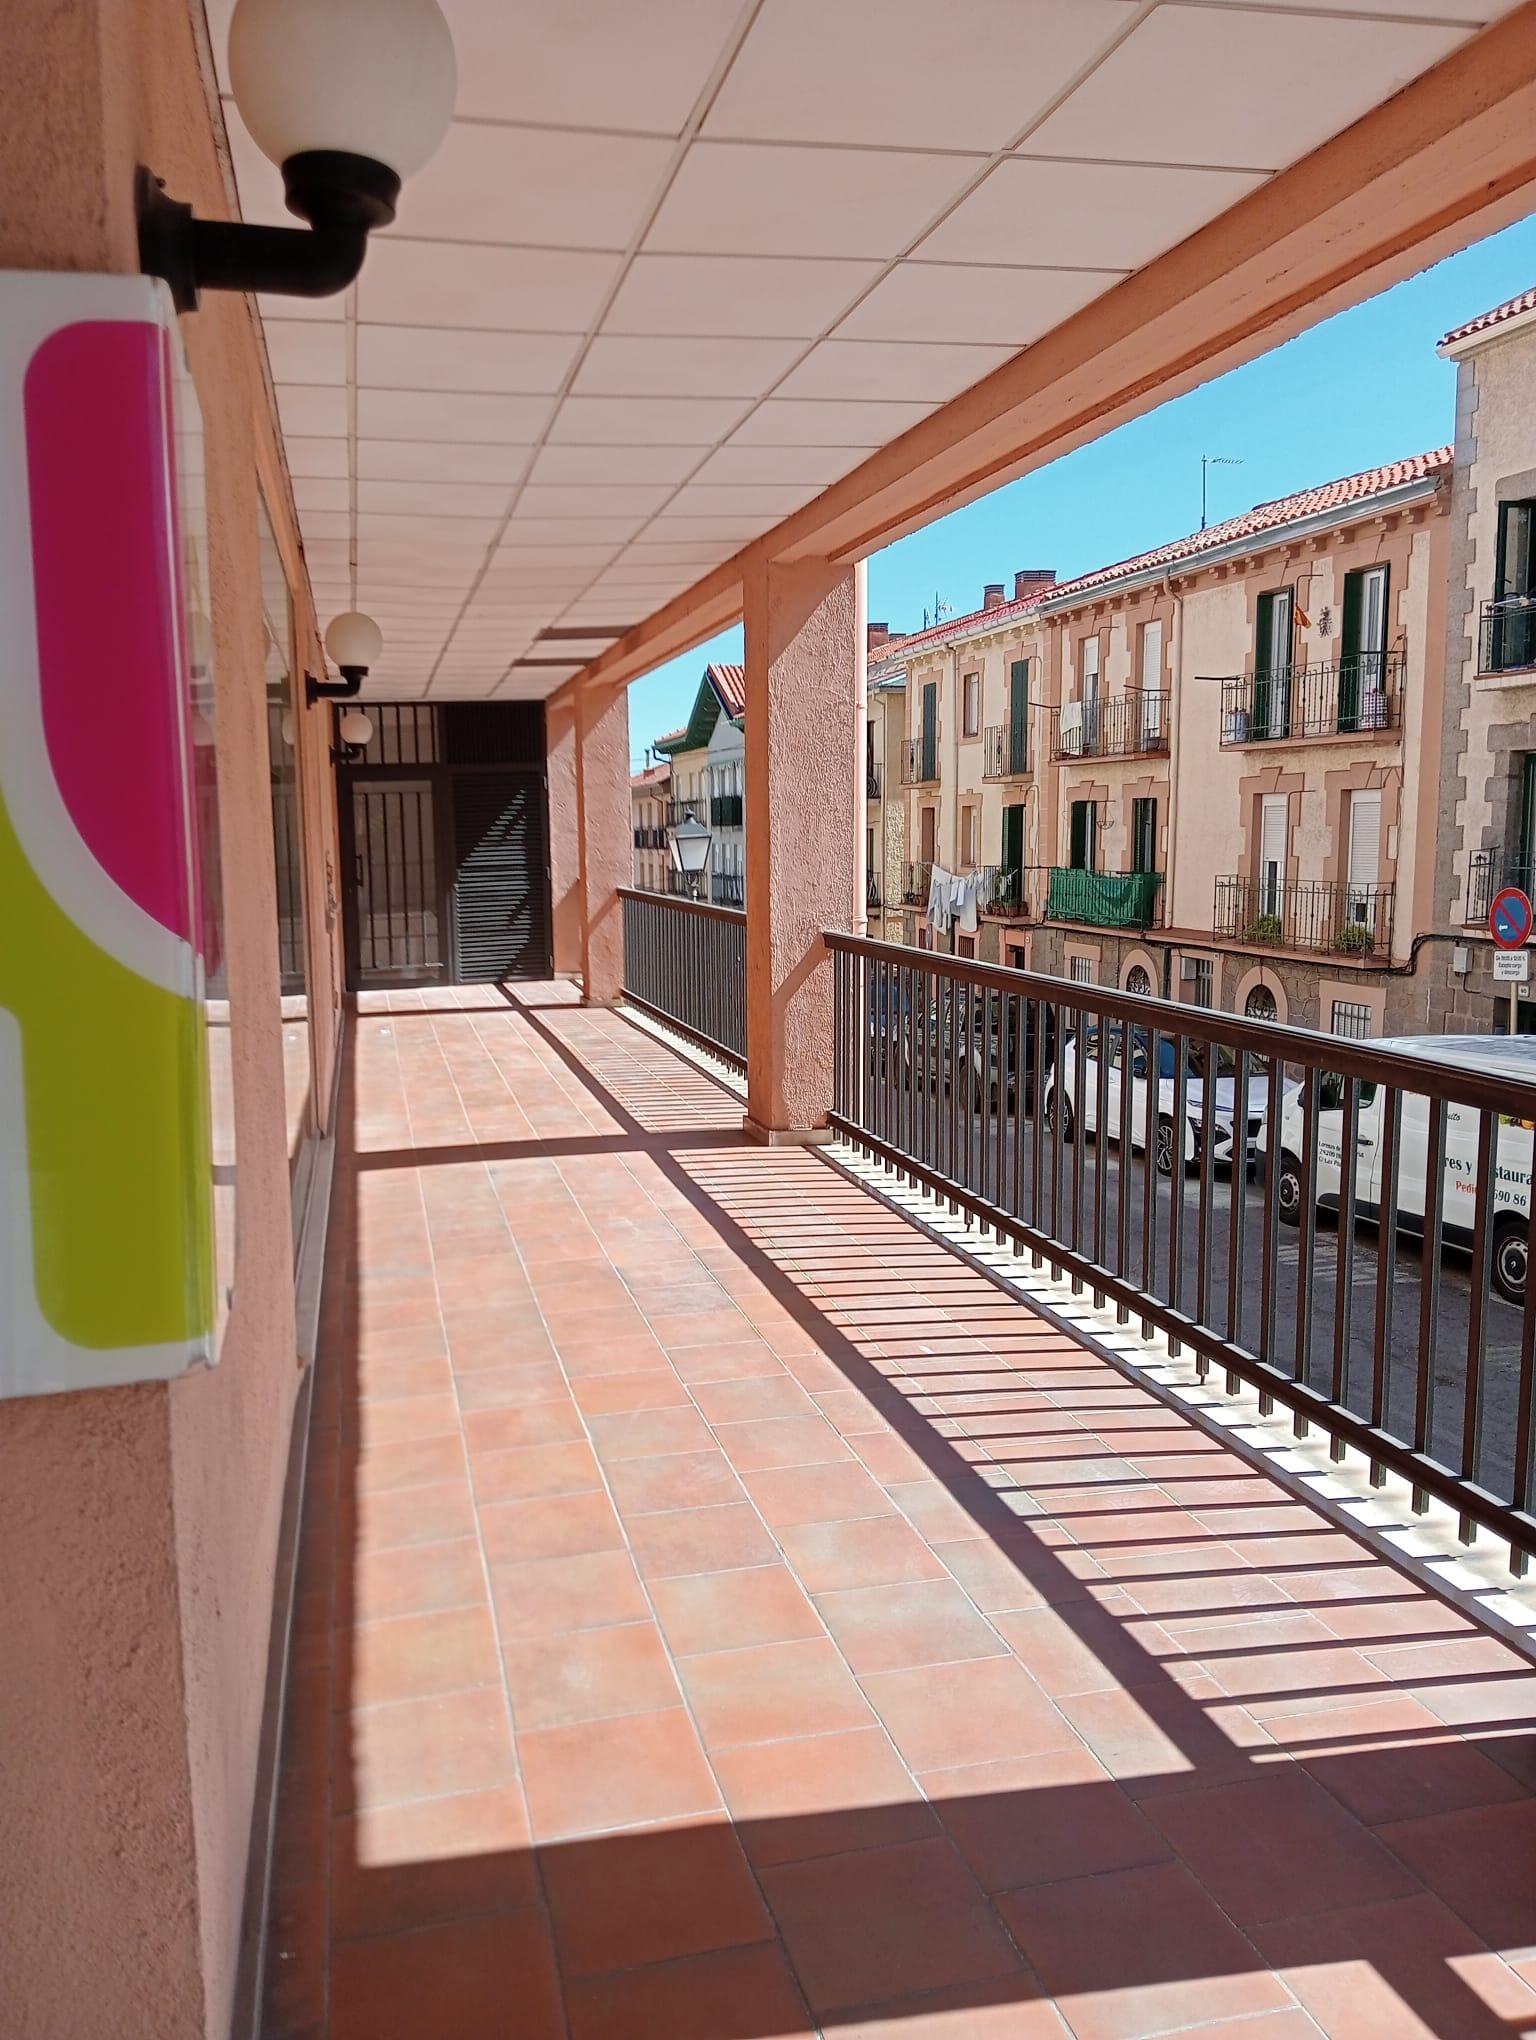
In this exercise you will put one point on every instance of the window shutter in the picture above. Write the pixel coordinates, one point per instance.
(500, 894)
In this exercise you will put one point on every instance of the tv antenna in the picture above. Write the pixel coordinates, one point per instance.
(1208, 461)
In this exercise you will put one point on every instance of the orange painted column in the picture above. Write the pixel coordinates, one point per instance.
(606, 844)
(805, 828)
(564, 832)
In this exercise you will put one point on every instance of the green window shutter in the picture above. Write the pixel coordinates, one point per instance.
(1018, 716)
(930, 762)
(1144, 835)
(1349, 664)
(1013, 839)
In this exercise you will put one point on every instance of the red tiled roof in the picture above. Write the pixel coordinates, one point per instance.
(1511, 309)
(1336, 495)
(730, 683)
(671, 736)
(651, 776)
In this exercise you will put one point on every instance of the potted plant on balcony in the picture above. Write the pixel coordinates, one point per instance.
(1355, 938)
(1263, 928)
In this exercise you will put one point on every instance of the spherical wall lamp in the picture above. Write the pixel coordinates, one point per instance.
(356, 644)
(354, 733)
(348, 98)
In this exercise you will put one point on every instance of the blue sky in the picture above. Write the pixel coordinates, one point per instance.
(1362, 388)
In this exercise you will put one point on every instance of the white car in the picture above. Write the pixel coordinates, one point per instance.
(1227, 1138)
(1501, 1056)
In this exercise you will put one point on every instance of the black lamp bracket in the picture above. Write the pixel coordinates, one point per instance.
(342, 196)
(344, 689)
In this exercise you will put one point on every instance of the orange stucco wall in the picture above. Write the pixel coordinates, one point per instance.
(136, 1566)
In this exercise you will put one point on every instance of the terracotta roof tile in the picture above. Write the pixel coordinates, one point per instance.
(653, 775)
(730, 683)
(1510, 309)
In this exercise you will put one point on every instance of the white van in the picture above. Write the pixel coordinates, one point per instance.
(1490, 1055)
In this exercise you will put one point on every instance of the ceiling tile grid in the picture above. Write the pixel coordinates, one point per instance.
(676, 269)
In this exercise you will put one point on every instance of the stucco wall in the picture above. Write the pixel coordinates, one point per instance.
(141, 1528)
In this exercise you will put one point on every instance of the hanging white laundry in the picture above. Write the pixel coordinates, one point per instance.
(940, 888)
(967, 922)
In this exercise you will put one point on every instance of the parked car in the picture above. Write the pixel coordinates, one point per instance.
(930, 1035)
(1499, 1056)
(1171, 1143)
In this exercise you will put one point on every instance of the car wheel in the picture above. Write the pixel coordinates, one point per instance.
(1066, 1116)
(1510, 1237)
(1166, 1145)
(1288, 1189)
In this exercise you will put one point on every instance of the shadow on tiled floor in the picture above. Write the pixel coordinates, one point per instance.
(726, 1615)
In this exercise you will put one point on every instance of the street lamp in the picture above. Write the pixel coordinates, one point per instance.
(690, 850)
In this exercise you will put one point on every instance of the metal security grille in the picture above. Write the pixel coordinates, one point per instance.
(500, 901)
(404, 733)
(398, 922)
(1351, 1021)
(286, 854)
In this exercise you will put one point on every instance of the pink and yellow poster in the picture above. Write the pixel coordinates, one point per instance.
(116, 1190)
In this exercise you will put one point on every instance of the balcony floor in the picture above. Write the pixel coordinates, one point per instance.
(723, 1614)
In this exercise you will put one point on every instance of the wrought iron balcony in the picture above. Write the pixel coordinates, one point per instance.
(1507, 637)
(1005, 753)
(727, 889)
(1488, 872)
(915, 881)
(1329, 920)
(1116, 726)
(919, 763)
(1103, 899)
(871, 782)
(1356, 696)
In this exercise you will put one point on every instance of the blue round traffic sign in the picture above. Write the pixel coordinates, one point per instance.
(1509, 918)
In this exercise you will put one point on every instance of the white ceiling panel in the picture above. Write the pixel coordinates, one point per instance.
(1253, 90)
(779, 297)
(655, 549)
(530, 290)
(312, 412)
(430, 358)
(765, 500)
(386, 524)
(451, 415)
(526, 529)
(636, 365)
(604, 464)
(653, 421)
(1104, 215)
(571, 501)
(905, 371)
(546, 557)
(316, 457)
(326, 524)
(437, 460)
(756, 199)
(934, 301)
(589, 63)
(795, 464)
(732, 531)
(436, 499)
(311, 493)
(538, 187)
(306, 352)
(967, 75)
(794, 421)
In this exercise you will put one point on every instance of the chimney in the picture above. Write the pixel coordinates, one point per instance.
(876, 634)
(992, 596)
(1029, 579)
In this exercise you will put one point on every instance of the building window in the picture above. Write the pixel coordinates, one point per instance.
(971, 726)
(967, 836)
(1080, 969)
(1138, 979)
(1351, 1020)
(1260, 1005)
(1143, 835)
(1083, 843)
(965, 945)
(1200, 979)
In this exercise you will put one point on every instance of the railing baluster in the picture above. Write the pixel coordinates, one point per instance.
(1477, 1311)
(1344, 1260)
(1429, 1286)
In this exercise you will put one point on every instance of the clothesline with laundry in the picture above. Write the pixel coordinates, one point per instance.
(954, 898)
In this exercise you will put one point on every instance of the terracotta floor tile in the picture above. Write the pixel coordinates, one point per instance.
(620, 1901)
(934, 1512)
(970, 1713)
(922, 1622)
(1004, 2008)
(700, 1540)
(298, 1964)
(1391, 1759)
(757, 1399)
(410, 1580)
(1161, 1738)
(821, 1795)
(1137, 1952)
(1247, 1843)
(1410, 1969)
(740, 1360)
(781, 1441)
(906, 1918)
(816, 1494)
(1482, 1863)
(1038, 1820)
(418, 1515)
(772, 1690)
(587, 1777)
(590, 1675)
(643, 1434)
(550, 1596)
(415, 1416)
(520, 1426)
(417, 1749)
(673, 1480)
(527, 1471)
(727, 1610)
(851, 1412)
(650, 1388)
(505, 1388)
(556, 1526)
(470, 1980)
(870, 1551)
(398, 1867)
(702, 1997)
(412, 1656)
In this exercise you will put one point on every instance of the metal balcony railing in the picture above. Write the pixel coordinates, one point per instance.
(1182, 1165)
(871, 782)
(1005, 752)
(1357, 696)
(1507, 635)
(1017, 893)
(1332, 920)
(919, 763)
(1488, 872)
(725, 810)
(915, 881)
(1115, 726)
(686, 963)
(1103, 899)
(871, 891)
(727, 889)
(650, 836)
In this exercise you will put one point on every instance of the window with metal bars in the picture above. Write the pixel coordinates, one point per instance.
(1350, 1020)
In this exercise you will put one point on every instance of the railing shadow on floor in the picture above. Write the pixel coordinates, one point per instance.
(1271, 1829)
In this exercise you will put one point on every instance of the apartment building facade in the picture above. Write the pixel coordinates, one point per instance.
(885, 814)
(708, 761)
(1209, 771)
(1488, 836)
(650, 793)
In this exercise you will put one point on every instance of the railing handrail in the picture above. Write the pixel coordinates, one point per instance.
(660, 899)
(1480, 1089)
(1388, 662)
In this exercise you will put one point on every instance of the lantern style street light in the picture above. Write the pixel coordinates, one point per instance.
(690, 850)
